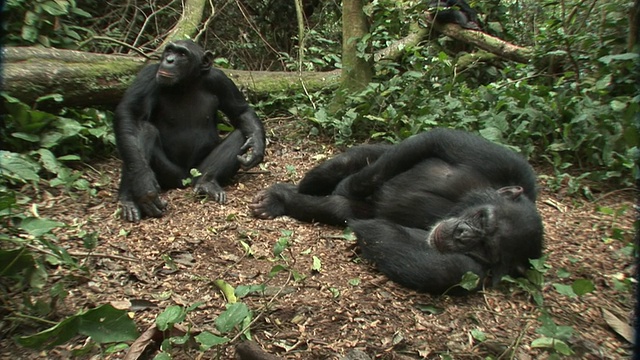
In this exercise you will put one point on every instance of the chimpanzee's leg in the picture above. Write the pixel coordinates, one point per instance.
(219, 167)
(322, 179)
(284, 199)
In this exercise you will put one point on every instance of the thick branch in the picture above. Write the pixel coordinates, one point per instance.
(484, 41)
(393, 51)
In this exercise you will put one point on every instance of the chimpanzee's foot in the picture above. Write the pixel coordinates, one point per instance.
(212, 190)
(270, 203)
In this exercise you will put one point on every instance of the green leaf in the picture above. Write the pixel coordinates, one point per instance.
(106, 324)
(103, 324)
(227, 290)
(208, 340)
(171, 315)
(478, 335)
(49, 161)
(469, 281)
(80, 12)
(317, 264)
(53, 8)
(626, 56)
(582, 286)
(54, 97)
(231, 317)
(18, 167)
(37, 227)
(430, 309)
(54, 336)
(550, 343)
(162, 356)
(244, 290)
(280, 246)
(38, 277)
(566, 290)
(26, 137)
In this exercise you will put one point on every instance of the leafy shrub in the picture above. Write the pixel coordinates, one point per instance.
(44, 22)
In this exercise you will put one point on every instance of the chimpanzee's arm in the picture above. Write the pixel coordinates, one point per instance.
(501, 166)
(139, 188)
(134, 107)
(241, 116)
(399, 158)
(404, 255)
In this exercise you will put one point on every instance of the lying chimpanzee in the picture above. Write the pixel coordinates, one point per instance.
(427, 210)
(166, 125)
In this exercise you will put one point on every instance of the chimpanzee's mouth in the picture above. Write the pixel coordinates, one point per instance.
(164, 74)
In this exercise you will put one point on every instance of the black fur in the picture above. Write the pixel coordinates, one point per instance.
(427, 210)
(166, 125)
(455, 12)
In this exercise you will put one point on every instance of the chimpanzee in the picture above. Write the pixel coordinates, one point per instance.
(426, 210)
(456, 12)
(166, 125)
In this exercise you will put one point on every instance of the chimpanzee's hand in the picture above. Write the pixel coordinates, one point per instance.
(254, 157)
(146, 198)
(356, 186)
(210, 189)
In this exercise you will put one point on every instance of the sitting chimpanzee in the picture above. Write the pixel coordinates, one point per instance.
(456, 12)
(166, 125)
(427, 210)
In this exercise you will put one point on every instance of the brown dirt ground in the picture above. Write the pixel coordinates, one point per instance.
(325, 315)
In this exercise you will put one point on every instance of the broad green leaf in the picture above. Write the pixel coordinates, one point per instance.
(566, 290)
(54, 336)
(26, 137)
(469, 281)
(231, 317)
(171, 315)
(38, 226)
(49, 161)
(208, 340)
(18, 167)
(582, 286)
(106, 324)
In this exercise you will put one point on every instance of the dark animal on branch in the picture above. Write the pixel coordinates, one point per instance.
(166, 125)
(455, 12)
(425, 211)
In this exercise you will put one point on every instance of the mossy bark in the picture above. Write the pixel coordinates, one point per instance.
(356, 70)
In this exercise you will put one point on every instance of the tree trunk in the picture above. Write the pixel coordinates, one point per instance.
(88, 79)
(356, 71)
(187, 26)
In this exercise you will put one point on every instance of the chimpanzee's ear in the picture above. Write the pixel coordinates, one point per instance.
(207, 61)
(511, 192)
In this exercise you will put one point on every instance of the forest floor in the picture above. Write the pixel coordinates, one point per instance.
(346, 304)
